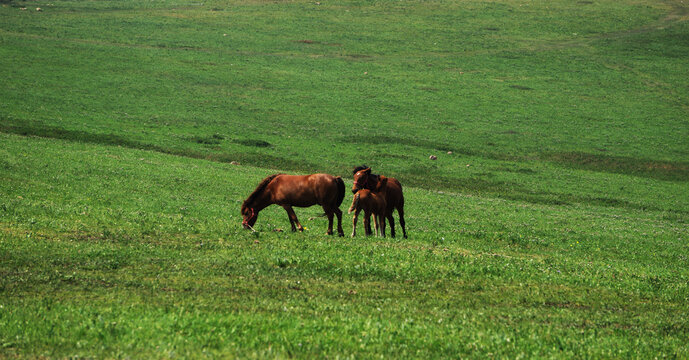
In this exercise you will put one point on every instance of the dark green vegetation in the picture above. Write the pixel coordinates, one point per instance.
(558, 226)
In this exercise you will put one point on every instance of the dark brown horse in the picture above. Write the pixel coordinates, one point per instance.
(301, 191)
(373, 203)
(363, 179)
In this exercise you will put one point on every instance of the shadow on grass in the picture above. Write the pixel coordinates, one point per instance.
(654, 169)
(660, 170)
(416, 176)
(216, 139)
(386, 139)
(513, 191)
(255, 159)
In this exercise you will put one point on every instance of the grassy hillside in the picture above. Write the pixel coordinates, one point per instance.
(107, 252)
(556, 227)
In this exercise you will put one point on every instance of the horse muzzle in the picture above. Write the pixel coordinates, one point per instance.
(249, 223)
(250, 220)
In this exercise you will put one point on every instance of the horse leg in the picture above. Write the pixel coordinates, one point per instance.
(382, 225)
(367, 223)
(293, 218)
(329, 213)
(338, 213)
(289, 216)
(378, 228)
(400, 212)
(391, 220)
(389, 208)
(354, 219)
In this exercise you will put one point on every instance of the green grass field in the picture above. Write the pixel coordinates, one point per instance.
(557, 227)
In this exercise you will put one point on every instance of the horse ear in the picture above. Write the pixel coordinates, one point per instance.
(367, 171)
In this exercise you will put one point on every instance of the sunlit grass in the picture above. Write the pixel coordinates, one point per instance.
(552, 224)
(113, 251)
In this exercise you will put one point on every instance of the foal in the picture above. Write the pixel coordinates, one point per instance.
(372, 203)
(363, 179)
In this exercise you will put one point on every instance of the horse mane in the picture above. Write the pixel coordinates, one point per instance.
(359, 168)
(362, 167)
(259, 189)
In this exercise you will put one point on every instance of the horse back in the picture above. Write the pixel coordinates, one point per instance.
(393, 193)
(370, 201)
(304, 190)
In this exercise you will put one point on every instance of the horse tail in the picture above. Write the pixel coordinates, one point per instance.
(340, 191)
(355, 203)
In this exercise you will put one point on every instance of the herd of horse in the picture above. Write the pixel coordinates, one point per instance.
(375, 195)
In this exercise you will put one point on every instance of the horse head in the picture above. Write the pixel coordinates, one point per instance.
(361, 179)
(255, 202)
(249, 216)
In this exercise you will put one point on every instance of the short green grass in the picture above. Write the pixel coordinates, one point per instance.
(106, 252)
(556, 227)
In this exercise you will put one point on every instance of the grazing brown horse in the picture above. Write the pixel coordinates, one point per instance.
(301, 191)
(373, 203)
(363, 179)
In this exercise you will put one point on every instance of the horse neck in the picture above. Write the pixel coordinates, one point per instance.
(260, 202)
